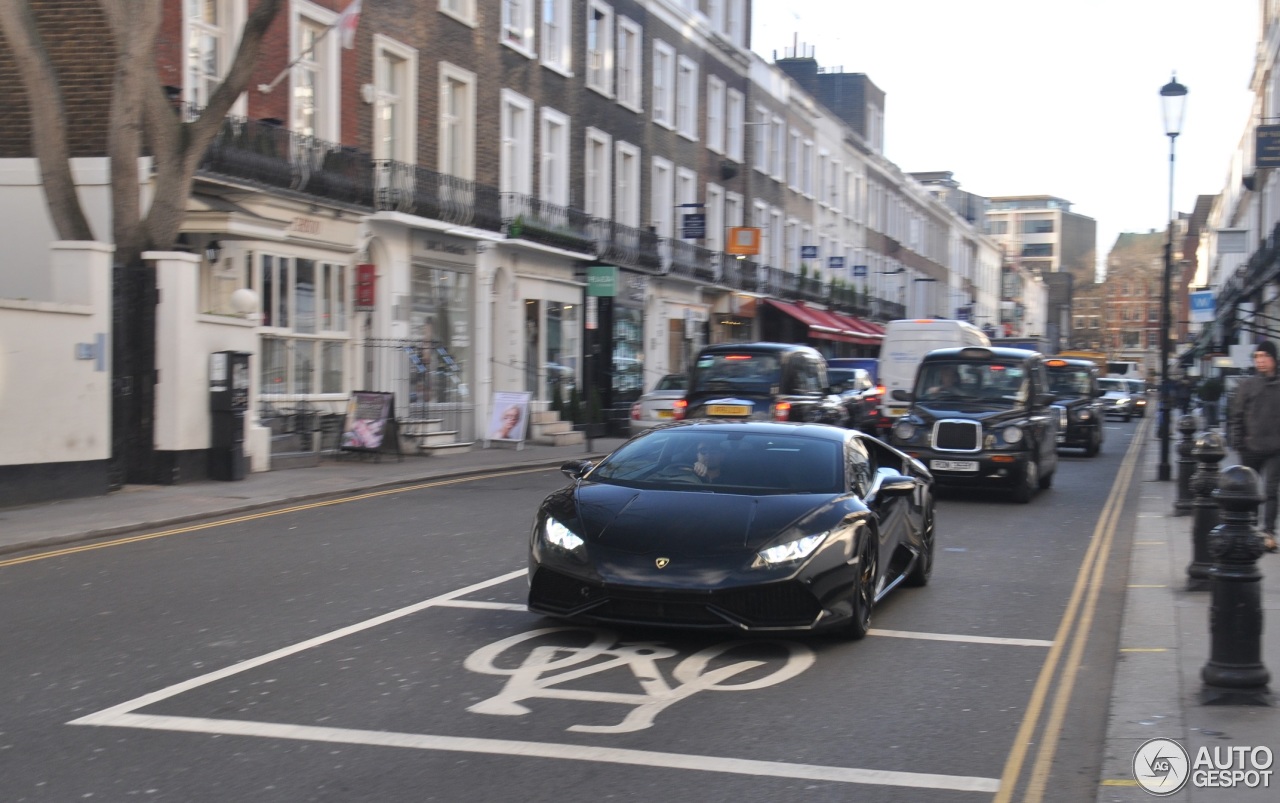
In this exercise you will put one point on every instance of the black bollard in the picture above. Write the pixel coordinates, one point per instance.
(1187, 426)
(1234, 674)
(1209, 451)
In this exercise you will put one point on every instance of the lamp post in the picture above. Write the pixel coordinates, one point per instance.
(1173, 101)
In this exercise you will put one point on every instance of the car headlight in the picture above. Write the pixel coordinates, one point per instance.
(1011, 435)
(1081, 415)
(798, 549)
(904, 430)
(556, 534)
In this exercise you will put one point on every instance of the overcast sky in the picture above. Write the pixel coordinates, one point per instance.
(1030, 97)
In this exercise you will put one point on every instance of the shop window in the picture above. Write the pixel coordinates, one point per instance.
(304, 305)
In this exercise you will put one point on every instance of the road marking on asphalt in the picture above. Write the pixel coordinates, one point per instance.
(1012, 642)
(123, 716)
(1119, 782)
(553, 750)
(1071, 638)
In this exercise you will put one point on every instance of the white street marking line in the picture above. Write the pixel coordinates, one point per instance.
(235, 669)
(508, 747)
(1012, 642)
(488, 606)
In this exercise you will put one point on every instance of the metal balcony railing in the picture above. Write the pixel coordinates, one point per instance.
(626, 246)
(415, 190)
(689, 260)
(264, 153)
(528, 218)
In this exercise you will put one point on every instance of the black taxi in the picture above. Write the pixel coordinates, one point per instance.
(982, 417)
(1077, 398)
(760, 382)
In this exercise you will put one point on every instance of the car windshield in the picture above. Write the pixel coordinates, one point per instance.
(1115, 385)
(1069, 381)
(737, 372)
(849, 379)
(972, 381)
(688, 459)
(672, 382)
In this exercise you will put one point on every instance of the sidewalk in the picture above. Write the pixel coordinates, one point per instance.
(142, 507)
(1165, 638)
(1165, 642)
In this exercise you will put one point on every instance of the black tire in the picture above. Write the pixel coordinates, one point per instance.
(1029, 485)
(1046, 480)
(864, 593)
(919, 575)
(1095, 443)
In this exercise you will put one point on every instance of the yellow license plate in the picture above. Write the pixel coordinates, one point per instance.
(728, 409)
(665, 414)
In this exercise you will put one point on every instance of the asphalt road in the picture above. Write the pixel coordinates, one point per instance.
(377, 649)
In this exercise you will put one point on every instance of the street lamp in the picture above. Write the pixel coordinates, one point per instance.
(1173, 101)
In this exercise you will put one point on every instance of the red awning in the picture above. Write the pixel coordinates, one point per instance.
(837, 321)
(863, 327)
(819, 327)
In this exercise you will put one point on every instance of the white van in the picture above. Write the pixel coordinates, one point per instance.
(904, 346)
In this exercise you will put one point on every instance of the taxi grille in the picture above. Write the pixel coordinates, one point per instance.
(957, 436)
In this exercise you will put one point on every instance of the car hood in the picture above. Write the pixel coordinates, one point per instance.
(976, 411)
(692, 523)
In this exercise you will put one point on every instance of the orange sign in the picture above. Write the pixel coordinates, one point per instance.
(743, 241)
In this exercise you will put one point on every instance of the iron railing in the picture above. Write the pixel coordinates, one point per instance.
(265, 153)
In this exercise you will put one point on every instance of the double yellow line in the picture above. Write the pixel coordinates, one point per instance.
(115, 542)
(1064, 658)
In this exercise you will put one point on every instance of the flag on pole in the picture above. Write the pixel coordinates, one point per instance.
(347, 24)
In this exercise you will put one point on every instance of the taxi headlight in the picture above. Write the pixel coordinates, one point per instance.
(904, 430)
(1011, 435)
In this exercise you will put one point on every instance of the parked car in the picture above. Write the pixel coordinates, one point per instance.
(1117, 399)
(656, 406)
(1077, 398)
(982, 417)
(760, 382)
(805, 527)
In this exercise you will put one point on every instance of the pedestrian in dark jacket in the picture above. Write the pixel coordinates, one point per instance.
(1255, 430)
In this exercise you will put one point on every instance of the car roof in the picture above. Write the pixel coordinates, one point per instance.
(1055, 362)
(733, 348)
(968, 352)
(708, 426)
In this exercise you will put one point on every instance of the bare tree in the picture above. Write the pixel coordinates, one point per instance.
(141, 116)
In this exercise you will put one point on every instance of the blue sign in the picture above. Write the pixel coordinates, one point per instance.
(1202, 306)
(835, 263)
(694, 226)
(859, 270)
(808, 252)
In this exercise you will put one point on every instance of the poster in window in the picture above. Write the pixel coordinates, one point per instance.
(367, 415)
(510, 415)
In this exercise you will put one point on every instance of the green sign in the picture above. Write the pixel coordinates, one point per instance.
(602, 280)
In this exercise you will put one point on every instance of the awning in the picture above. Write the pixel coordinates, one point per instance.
(861, 327)
(819, 327)
(841, 322)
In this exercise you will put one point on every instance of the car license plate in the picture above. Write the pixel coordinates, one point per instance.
(953, 465)
(728, 409)
(665, 414)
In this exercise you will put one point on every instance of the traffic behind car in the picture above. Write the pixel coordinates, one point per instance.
(760, 382)
(1138, 390)
(1117, 399)
(981, 417)
(736, 526)
(859, 395)
(1074, 385)
(657, 406)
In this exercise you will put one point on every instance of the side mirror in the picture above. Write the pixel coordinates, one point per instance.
(903, 395)
(576, 469)
(1044, 399)
(896, 485)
